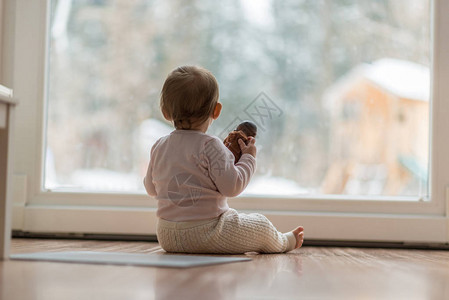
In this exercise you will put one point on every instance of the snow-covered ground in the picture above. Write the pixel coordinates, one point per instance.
(108, 181)
(273, 186)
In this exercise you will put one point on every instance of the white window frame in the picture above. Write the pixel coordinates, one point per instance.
(398, 219)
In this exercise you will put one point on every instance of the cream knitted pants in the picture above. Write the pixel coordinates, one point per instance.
(230, 233)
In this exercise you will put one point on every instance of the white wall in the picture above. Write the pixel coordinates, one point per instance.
(7, 14)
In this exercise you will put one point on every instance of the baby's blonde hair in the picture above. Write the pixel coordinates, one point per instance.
(189, 96)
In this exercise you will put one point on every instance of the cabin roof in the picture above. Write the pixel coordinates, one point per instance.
(401, 78)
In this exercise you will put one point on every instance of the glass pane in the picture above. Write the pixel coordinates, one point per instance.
(339, 89)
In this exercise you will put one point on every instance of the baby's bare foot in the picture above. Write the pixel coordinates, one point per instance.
(299, 235)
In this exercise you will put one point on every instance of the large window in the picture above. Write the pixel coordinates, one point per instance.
(339, 90)
(350, 99)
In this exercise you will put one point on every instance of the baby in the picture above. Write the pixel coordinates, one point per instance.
(191, 174)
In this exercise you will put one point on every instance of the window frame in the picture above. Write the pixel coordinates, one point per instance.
(350, 217)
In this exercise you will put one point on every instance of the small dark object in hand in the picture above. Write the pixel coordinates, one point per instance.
(243, 131)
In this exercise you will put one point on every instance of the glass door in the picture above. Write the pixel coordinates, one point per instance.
(341, 91)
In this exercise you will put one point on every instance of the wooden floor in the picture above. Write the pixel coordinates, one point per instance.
(308, 273)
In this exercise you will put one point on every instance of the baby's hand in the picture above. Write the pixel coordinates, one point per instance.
(250, 148)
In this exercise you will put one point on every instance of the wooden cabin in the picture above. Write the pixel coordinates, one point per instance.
(379, 132)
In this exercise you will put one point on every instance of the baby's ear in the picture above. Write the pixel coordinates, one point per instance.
(166, 116)
(217, 110)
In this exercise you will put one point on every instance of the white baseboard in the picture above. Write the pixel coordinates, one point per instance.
(17, 216)
(376, 228)
(318, 226)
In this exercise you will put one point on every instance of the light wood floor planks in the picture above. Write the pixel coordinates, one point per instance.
(308, 273)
